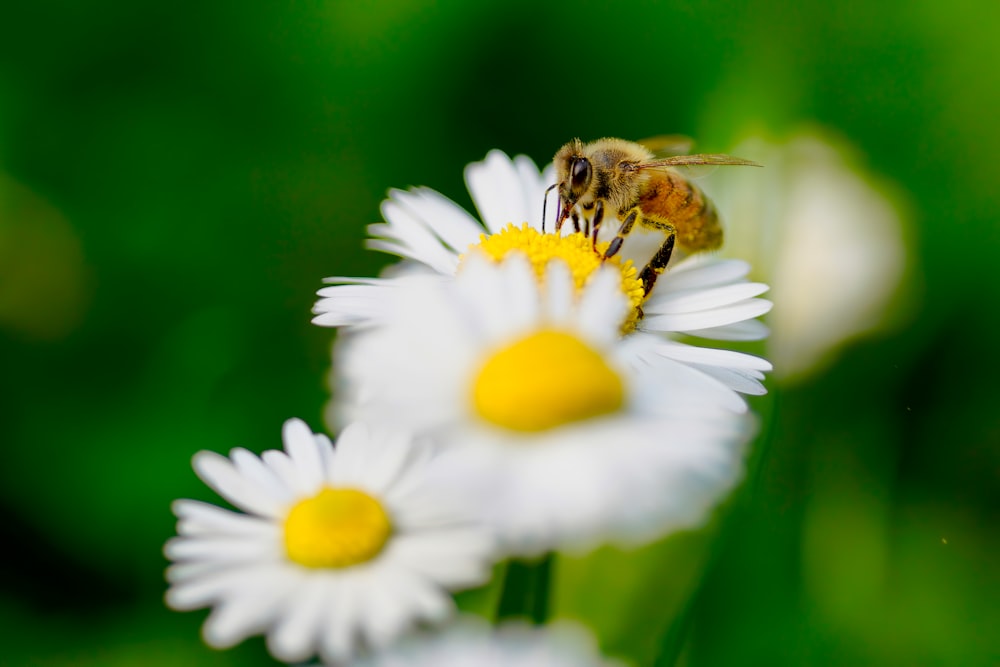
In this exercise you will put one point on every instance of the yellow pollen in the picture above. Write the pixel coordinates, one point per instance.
(575, 249)
(546, 380)
(336, 528)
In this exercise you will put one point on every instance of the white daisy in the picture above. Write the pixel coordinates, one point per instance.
(472, 642)
(339, 549)
(431, 232)
(700, 295)
(586, 436)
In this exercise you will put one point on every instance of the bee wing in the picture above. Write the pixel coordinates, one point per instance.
(713, 159)
(668, 144)
(697, 166)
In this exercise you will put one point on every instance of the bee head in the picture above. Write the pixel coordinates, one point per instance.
(573, 171)
(580, 174)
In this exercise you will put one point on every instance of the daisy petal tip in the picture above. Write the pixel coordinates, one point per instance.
(286, 650)
(495, 156)
(205, 461)
(179, 507)
(169, 549)
(218, 638)
(323, 319)
(170, 600)
(557, 269)
(295, 429)
(176, 598)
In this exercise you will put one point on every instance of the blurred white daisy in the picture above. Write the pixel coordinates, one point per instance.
(827, 238)
(583, 436)
(471, 642)
(339, 549)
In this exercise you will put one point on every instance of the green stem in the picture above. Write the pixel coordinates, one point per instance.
(526, 589)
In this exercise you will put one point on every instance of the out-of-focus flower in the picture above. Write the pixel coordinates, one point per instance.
(340, 548)
(471, 643)
(823, 234)
(571, 433)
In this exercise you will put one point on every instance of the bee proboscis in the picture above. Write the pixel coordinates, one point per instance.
(626, 179)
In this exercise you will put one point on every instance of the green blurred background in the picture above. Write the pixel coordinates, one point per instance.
(176, 178)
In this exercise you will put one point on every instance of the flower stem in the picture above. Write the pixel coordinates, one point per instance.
(526, 590)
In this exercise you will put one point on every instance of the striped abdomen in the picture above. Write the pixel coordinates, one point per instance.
(667, 197)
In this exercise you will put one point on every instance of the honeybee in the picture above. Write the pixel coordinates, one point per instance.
(640, 189)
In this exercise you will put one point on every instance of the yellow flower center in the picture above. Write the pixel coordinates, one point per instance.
(336, 528)
(545, 380)
(575, 249)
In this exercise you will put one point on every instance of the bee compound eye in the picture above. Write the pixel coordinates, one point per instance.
(581, 173)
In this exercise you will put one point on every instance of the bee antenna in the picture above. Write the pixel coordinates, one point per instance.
(545, 201)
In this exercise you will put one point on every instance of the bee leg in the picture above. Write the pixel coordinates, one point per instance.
(623, 231)
(576, 221)
(598, 218)
(658, 263)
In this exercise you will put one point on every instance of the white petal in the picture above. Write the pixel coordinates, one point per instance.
(560, 293)
(499, 193)
(247, 612)
(706, 319)
(534, 186)
(249, 580)
(686, 301)
(253, 468)
(231, 548)
(412, 480)
(381, 461)
(302, 448)
(711, 356)
(450, 223)
(325, 448)
(502, 299)
(743, 381)
(349, 460)
(180, 573)
(384, 616)
(198, 518)
(523, 304)
(219, 473)
(344, 305)
(406, 232)
(688, 387)
(339, 632)
(295, 637)
(737, 331)
(282, 466)
(420, 250)
(603, 306)
(701, 271)
(421, 600)
(454, 559)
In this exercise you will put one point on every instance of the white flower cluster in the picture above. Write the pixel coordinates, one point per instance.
(501, 392)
